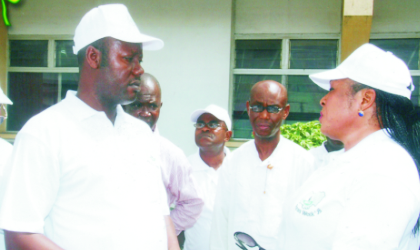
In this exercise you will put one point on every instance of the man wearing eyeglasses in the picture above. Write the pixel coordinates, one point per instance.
(176, 170)
(259, 175)
(212, 131)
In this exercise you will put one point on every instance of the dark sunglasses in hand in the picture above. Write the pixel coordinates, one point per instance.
(270, 109)
(243, 240)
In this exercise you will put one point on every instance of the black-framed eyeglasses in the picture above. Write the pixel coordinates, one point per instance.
(210, 125)
(270, 109)
(3, 115)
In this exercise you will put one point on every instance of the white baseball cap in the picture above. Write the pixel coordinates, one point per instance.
(218, 112)
(4, 99)
(373, 67)
(111, 20)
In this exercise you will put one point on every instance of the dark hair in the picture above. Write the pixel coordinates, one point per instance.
(401, 119)
(100, 45)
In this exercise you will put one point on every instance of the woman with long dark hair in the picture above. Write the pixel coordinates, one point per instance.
(369, 197)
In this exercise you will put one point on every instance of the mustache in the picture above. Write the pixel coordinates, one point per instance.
(206, 134)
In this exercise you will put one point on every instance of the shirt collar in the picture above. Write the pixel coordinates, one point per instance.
(204, 165)
(368, 143)
(82, 111)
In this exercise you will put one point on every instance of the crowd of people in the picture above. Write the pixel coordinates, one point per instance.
(93, 171)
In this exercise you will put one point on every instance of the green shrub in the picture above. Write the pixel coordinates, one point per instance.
(308, 135)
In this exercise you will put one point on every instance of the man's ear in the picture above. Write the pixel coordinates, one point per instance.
(286, 111)
(228, 135)
(161, 104)
(247, 107)
(93, 57)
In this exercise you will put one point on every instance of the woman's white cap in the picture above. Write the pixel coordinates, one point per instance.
(111, 20)
(4, 99)
(218, 112)
(373, 67)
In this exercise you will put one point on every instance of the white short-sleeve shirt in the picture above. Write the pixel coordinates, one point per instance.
(250, 195)
(84, 182)
(206, 177)
(5, 152)
(367, 198)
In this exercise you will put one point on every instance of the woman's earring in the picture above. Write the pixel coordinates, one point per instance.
(361, 114)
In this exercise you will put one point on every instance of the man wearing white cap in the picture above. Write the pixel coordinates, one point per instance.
(259, 176)
(212, 131)
(77, 179)
(5, 149)
(369, 196)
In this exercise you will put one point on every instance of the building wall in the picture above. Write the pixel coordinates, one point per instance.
(194, 66)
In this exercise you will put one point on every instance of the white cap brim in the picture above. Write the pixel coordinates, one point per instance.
(323, 79)
(216, 111)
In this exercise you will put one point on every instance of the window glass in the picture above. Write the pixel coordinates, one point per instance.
(415, 95)
(406, 49)
(31, 93)
(258, 54)
(304, 97)
(64, 56)
(69, 81)
(313, 54)
(242, 87)
(28, 53)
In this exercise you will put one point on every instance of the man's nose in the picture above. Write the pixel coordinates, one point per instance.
(143, 111)
(138, 69)
(205, 128)
(264, 114)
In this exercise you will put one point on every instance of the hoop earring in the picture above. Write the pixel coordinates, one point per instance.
(361, 114)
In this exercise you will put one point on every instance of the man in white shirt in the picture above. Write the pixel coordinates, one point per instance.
(5, 149)
(176, 170)
(213, 130)
(259, 176)
(83, 173)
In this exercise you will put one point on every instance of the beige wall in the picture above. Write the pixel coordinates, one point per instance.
(390, 16)
(320, 16)
(288, 16)
(193, 67)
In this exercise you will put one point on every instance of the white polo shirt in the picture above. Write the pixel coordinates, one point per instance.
(250, 195)
(367, 198)
(322, 156)
(5, 152)
(84, 182)
(206, 177)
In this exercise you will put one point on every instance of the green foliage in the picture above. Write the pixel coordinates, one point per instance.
(308, 135)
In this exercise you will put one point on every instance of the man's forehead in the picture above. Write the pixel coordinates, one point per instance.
(208, 116)
(146, 97)
(132, 47)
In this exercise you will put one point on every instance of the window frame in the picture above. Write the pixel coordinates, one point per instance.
(51, 67)
(285, 57)
(284, 64)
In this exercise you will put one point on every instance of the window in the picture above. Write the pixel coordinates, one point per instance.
(39, 74)
(288, 61)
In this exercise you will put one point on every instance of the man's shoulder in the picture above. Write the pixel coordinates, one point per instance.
(47, 119)
(245, 148)
(168, 145)
(293, 146)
